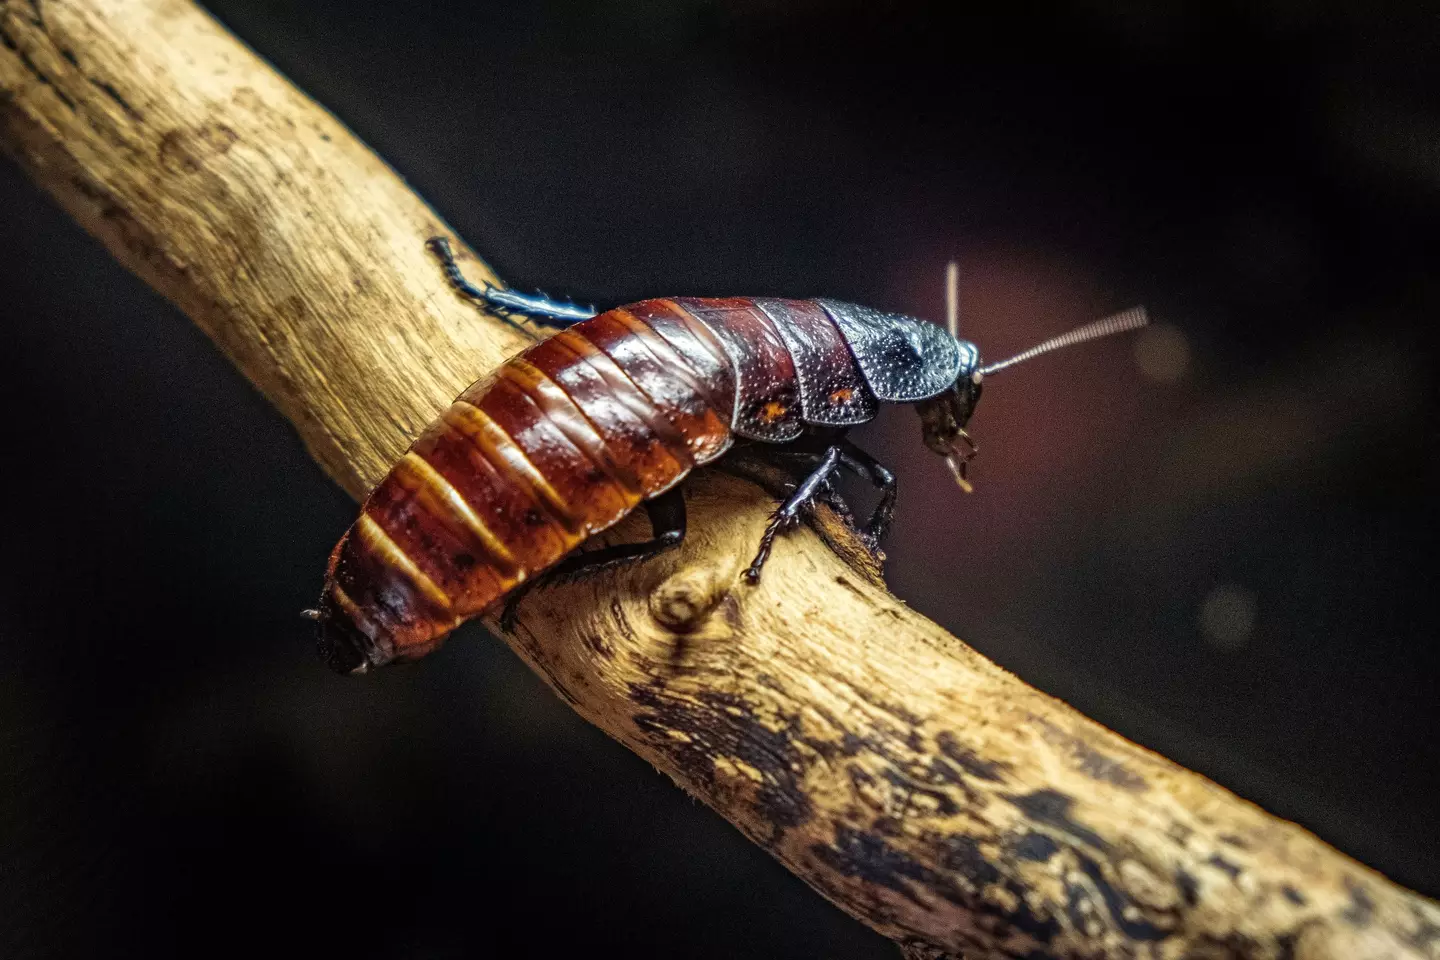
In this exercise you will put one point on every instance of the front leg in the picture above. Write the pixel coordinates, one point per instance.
(789, 512)
(868, 468)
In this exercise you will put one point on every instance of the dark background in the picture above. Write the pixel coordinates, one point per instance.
(180, 773)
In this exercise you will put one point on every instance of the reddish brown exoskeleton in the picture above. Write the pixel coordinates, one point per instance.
(611, 413)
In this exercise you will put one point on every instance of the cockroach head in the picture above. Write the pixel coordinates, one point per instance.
(943, 419)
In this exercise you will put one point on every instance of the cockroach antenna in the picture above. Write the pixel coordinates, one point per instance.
(952, 299)
(1131, 319)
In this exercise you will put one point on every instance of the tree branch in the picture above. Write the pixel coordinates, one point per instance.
(915, 784)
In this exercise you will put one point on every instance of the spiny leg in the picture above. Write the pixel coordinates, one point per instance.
(536, 306)
(667, 529)
(868, 468)
(788, 513)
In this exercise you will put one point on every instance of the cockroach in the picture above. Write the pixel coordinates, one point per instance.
(614, 410)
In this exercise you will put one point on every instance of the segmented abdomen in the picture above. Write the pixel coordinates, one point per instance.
(559, 443)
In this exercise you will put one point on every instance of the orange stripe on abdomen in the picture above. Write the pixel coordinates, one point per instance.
(668, 382)
(460, 450)
(591, 496)
(634, 441)
(558, 444)
(438, 531)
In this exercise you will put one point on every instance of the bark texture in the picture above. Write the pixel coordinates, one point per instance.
(918, 786)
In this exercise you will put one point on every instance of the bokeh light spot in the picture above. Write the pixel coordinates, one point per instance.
(1228, 616)
(1162, 352)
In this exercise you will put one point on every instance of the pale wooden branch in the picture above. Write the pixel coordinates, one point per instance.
(915, 784)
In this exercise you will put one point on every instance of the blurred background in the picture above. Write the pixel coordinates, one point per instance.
(1216, 538)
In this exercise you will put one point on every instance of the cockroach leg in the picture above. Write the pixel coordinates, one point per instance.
(788, 515)
(864, 466)
(868, 468)
(507, 303)
(667, 526)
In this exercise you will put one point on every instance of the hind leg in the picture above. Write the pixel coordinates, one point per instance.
(507, 303)
(788, 514)
(667, 528)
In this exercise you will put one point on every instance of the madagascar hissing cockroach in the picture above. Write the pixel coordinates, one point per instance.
(612, 412)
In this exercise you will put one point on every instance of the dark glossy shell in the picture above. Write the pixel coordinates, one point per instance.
(767, 391)
(832, 392)
(903, 359)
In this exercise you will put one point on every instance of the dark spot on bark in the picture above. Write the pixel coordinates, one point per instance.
(969, 761)
(1189, 887)
(909, 787)
(1035, 847)
(724, 725)
(1220, 863)
(600, 645)
(941, 772)
(1179, 833)
(187, 151)
(871, 859)
(1051, 807)
(1098, 766)
(1116, 903)
(1077, 898)
(325, 137)
(1361, 909)
(886, 826)
(962, 855)
(463, 561)
(1293, 895)
(34, 70)
(1238, 843)
(1426, 931)
(860, 778)
(730, 612)
(922, 950)
(109, 90)
(1092, 762)
(70, 57)
(1040, 929)
(908, 717)
(1285, 946)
